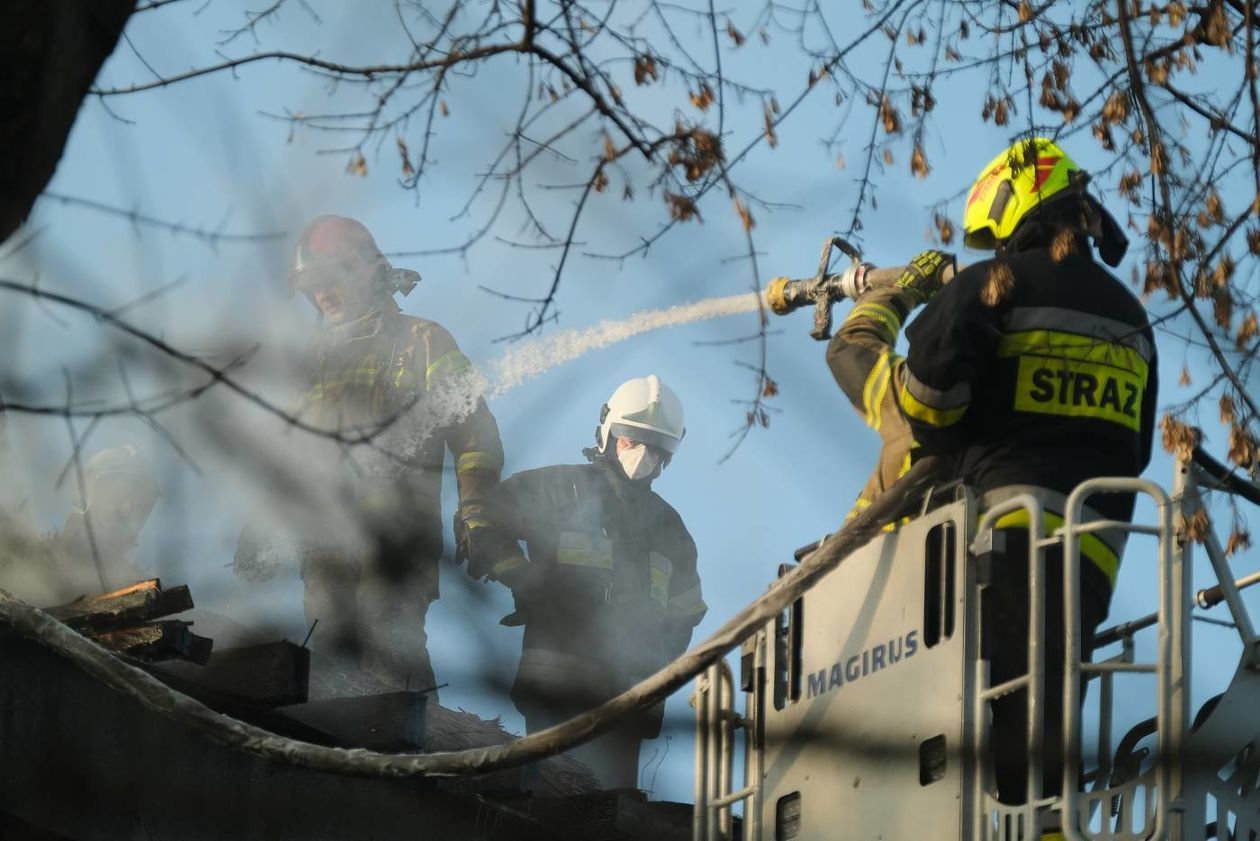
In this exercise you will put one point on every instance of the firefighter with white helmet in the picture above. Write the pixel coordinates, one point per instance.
(1030, 373)
(608, 590)
(381, 375)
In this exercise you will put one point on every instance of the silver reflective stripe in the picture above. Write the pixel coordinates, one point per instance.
(951, 398)
(1062, 319)
(1056, 503)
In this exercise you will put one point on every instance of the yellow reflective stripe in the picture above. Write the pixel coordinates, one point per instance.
(444, 366)
(506, 565)
(884, 316)
(1092, 547)
(661, 569)
(378, 501)
(577, 549)
(1070, 375)
(475, 460)
(881, 391)
(404, 378)
(920, 411)
(879, 372)
(687, 604)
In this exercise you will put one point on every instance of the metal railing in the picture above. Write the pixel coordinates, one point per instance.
(716, 726)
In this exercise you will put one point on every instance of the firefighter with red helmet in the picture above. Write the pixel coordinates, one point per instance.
(379, 374)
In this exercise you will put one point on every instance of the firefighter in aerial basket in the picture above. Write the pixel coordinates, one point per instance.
(393, 382)
(608, 590)
(1030, 373)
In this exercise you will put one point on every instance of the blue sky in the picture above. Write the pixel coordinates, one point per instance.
(205, 152)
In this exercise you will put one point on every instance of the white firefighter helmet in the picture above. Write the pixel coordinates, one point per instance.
(120, 467)
(645, 410)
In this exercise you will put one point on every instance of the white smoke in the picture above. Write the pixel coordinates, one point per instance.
(457, 398)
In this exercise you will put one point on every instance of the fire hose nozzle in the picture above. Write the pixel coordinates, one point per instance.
(784, 295)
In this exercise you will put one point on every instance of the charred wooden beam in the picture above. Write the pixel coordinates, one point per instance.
(272, 674)
(166, 640)
(386, 723)
(123, 608)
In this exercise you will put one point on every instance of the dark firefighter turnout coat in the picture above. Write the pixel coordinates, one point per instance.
(391, 370)
(613, 592)
(1037, 374)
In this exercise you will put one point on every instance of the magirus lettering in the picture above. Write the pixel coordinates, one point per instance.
(882, 656)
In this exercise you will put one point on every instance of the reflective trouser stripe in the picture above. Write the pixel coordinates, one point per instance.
(1103, 548)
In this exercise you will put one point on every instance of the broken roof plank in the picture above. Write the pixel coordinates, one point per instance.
(273, 674)
(123, 608)
(166, 640)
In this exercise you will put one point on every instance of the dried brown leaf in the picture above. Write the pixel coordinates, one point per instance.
(1239, 541)
(918, 162)
(1222, 308)
(1179, 438)
(1243, 448)
(682, 208)
(703, 98)
(1184, 379)
(1063, 244)
(890, 116)
(357, 165)
(645, 69)
(1196, 527)
(771, 138)
(734, 34)
(1248, 328)
(1228, 414)
(997, 285)
(745, 216)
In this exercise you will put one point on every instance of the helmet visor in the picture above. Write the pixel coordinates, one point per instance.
(323, 275)
(640, 435)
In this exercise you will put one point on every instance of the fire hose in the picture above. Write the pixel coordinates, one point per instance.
(36, 625)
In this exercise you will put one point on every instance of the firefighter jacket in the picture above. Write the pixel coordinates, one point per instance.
(1036, 374)
(392, 375)
(870, 373)
(613, 593)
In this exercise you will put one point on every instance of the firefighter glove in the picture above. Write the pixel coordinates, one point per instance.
(923, 276)
(480, 542)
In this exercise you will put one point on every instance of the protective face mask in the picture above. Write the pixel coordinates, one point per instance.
(638, 462)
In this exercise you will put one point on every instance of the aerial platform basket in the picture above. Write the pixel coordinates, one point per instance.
(866, 702)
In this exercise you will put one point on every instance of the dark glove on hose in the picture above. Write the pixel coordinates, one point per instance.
(922, 277)
(480, 542)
